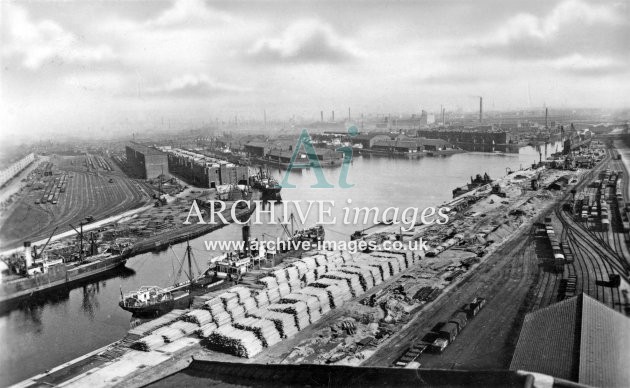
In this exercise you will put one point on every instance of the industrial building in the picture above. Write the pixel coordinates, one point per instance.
(481, 138)
(146, 162)
(15, 168)
(204, 171)
(578, 339)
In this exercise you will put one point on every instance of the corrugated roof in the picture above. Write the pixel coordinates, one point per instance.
(604, 346)
(578, 339)
(547, 341)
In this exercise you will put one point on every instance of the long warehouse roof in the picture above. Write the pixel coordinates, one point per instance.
(578, 339)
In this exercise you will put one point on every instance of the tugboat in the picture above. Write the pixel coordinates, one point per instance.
(478, 181)
(155, 301)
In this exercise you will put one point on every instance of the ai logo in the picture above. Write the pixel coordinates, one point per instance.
(313, 162)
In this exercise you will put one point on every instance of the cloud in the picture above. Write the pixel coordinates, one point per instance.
(188, 13)
(572, 26)
(193, 86)
(306, 41)
(588, 66)
(45, 41)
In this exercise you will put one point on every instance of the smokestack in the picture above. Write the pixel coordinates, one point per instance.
(480, 109)
(28, 259)
(321, 113)
(246, 239)
(443, 122)
(348, 114)
(265, 114)
(333, 116)
(546, 115)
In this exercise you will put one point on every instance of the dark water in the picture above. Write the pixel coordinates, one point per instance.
(40, 337)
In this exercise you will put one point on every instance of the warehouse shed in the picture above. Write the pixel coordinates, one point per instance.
(578, 339)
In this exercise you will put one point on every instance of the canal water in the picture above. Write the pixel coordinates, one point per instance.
(39, 337)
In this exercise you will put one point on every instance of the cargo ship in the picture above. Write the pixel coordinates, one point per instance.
(267, 185)
(154, 301)
(28, 275)
(477, 182)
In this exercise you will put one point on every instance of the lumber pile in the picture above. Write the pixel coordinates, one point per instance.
(261, 299)
(321, 295)
(169, 334)
(273, 295)
(295, 285)
(365, 276)
(310, 262)
(148, 327)
(292, 273)
(264, 329)
(321, 260)
(243, 293)
(199, 317)
(285, 323)
(312, 304)
(342, 284)
(283, 289)
(187, 328)
(280, 275)
(236, 313)
(309, 277)
(217, 310)
(230, 300)
(382, 266)
(148, 343)
(237, 342)
(205, 330)
(268, 282)
(298, 310)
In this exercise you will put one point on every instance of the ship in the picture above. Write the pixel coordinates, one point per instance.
(477, 182)
(31, 273)
(267, 185)
(314, 234)
(152, 301)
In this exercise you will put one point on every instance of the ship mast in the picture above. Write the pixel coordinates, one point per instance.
(190, 277)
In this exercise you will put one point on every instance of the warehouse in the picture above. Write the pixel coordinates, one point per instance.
(205, 171)
(572, 340)
(146, 162)
(13, 169)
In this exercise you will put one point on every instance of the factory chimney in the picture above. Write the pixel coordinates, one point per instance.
(246, 237)
(348, 114)
(443, 121)
(333, 116)
(28, 259)
(480, 109)
(321, 114)
(546, 115)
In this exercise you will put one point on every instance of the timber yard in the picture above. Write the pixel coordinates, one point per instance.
(534, 258)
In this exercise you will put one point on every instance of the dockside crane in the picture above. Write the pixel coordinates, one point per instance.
(36, 254)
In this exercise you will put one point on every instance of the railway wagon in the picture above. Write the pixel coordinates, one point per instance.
(472, 309)
(460, 318)
(479, 301)
(448, 331)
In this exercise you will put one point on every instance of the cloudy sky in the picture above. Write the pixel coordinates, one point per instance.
(89, 66)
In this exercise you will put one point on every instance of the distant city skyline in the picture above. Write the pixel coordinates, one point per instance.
(79, 67)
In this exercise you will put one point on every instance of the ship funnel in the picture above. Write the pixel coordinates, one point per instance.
(28, 259)
(246, 237)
